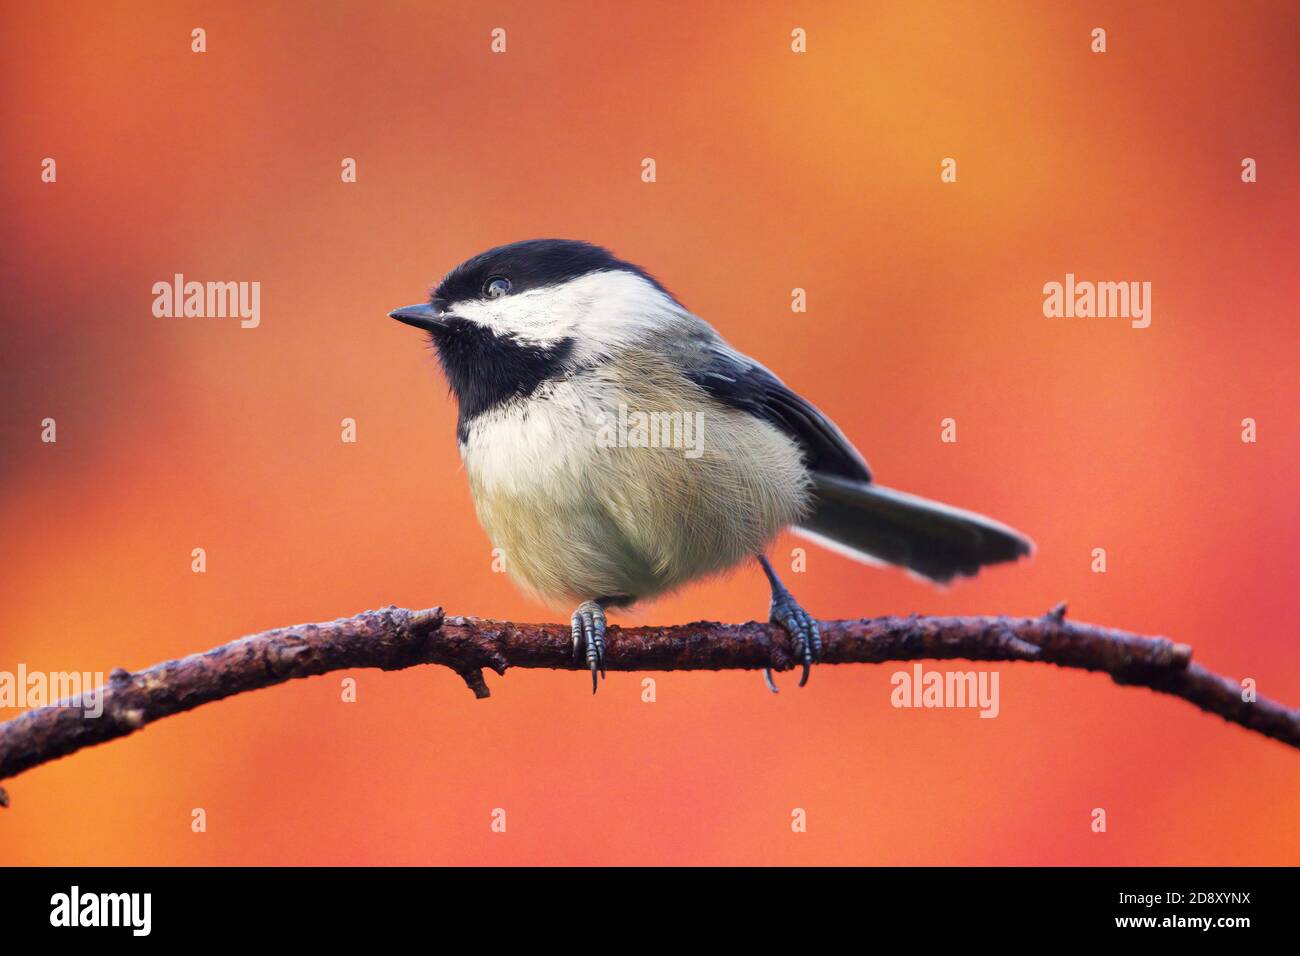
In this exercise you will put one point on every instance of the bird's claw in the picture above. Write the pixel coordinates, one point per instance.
(805, 638)
(588, 626)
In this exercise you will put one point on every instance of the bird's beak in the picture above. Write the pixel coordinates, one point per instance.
(424, 316)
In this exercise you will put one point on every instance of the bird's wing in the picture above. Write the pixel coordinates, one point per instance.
(737, 380)
(848, 513)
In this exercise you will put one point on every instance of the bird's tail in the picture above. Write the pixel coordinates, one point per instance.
(872, 523)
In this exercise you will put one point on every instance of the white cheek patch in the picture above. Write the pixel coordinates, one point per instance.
(601, 312)
(532, 316)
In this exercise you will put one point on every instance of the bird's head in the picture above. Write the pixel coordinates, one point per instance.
(512, 317)
(545, 293)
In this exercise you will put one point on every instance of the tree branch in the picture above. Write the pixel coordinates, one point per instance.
(395, 638)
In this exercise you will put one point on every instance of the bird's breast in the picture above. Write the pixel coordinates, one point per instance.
(627, 480)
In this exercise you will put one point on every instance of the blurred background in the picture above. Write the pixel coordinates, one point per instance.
(775, 170)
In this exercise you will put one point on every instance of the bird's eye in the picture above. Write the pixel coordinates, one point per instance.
(496, 287)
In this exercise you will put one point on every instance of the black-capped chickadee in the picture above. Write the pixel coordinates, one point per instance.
(617, 447)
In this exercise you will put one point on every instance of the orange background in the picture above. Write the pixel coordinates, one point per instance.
(775, 170)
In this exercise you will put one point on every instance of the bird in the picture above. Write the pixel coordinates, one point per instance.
(558, 354)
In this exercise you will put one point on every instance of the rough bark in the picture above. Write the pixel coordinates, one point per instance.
(395, 638)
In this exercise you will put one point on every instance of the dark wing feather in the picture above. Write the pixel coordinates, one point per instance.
(846, 509)
(742, 383)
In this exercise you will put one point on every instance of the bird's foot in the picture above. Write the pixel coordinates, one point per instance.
(802, 628)
(589, 638)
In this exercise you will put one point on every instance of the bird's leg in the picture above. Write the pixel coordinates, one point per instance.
(798, 623)
(588, 623)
